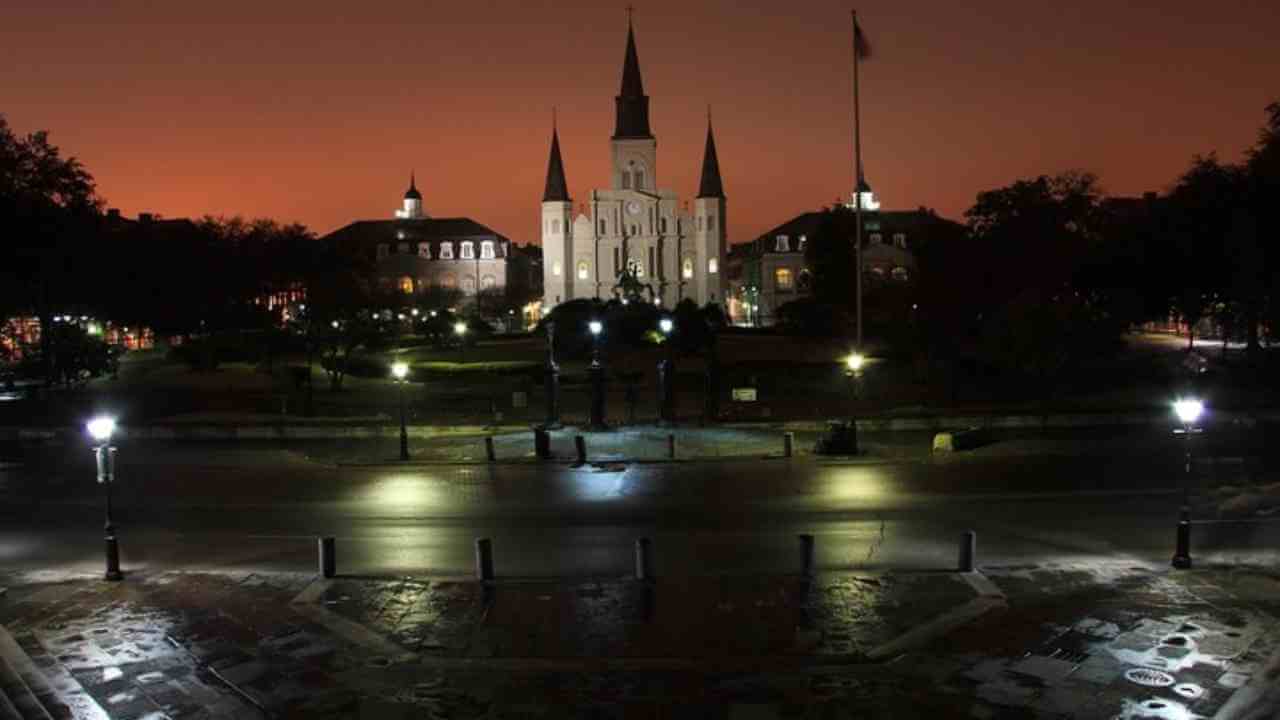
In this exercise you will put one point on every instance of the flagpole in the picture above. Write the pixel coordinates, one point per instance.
(857, 178)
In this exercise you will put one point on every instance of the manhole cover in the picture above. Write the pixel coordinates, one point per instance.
(1149, 677)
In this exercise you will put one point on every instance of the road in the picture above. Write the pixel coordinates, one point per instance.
(252, 506)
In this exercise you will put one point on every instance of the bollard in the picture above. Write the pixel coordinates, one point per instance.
(484, 559)
(644, 559)
(806, 555)
(671, 446)
(788, 439)
(542, 444)
(580, 444)
(488, 449)
(968, 550)
(1182, 555)
(328, 560)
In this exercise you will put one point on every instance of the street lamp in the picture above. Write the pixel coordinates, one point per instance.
(666, 375)
(100, 429)
(596, 371)
(460, 331)
(400, 371)
(596, 327)
(666, 326)
(1188, 411)
(853, 370)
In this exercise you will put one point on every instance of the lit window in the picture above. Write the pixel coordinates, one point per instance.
(686, 269)
(403, 248)
(876, 239)
(713, 266)
(877, 271)
(406, 285)
(900, 273)
(383, 250)
(424, 250)
(446, 251)
(782, 279)
(468, 250)
(711, 223)
(804, 240)
(487, 282)
(900, 239)
(448, 281)
(469, 285)
(782, 244)
(486, 248)
(584, 271)
(556, 268)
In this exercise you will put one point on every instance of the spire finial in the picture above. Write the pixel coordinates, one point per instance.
(630, 9)
(708, 114)
(412, 181)
(553, 118)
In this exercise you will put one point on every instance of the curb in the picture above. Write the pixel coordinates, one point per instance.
(306, 603)
(989, 598)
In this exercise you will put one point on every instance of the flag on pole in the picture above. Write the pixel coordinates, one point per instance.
(861, 47)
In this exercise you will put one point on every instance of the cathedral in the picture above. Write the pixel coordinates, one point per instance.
(633, 226)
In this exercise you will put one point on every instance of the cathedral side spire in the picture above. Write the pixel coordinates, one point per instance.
(710, 186)
(557, 189)
(632, 103)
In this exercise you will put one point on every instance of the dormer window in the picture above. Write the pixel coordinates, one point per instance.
(782, 244)
(804, 240)
(446, 251)
(383, 250)
(900, 239)
(424, 251)
(403, 248)
(468, 250)
(486, 250)
(876, 238)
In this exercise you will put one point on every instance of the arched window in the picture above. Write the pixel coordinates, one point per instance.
(469, 285)
(713, 266)
(486, 248)
(639, 178)
(487, 282)
(584, 270)
(446, 251)
(406, 285)
(468, 250)
(686, 269)
(626, 180)
(448, 281)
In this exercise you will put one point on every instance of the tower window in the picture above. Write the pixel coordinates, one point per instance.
(556, 268)
(555, 226)
(486, 249)
(602, 228)
(468, 250)
(446, 251)
(686, 269)
(711, 223)
(626, 180)
(424, 251)
(639, 178)
(713, 266)
(584, 270)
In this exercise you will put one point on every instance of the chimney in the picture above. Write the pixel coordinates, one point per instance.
(145, 217)
(113, 214)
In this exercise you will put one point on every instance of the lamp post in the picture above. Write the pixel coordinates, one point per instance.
(552, 380)
(853, 370)
(1188, 411)
(400, 371)
(100, 429)
(666, 375)
(596, 371)
(460, 332)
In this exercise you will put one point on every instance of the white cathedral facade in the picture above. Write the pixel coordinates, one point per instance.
(633, 225)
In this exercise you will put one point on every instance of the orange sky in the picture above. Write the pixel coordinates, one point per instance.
(316, 111)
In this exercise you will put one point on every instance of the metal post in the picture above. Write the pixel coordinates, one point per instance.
(542, 443)
(644, 559)
(666, 392)
(488, 449)
(404, 430)
(806, 555)
(671, 446)
(484, 559)
(968, 550)
(711, 403)
(106, 457)
(580, 444)
(328, 558)
(1182, 555)
(596, 371)
(553, 396)
(788, 440)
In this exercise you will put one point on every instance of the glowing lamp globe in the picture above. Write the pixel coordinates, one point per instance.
(854, 362)
(400, 370)
(666, 325)
(101, 428)
(460, 328)
(1188, 410)
(596, 327)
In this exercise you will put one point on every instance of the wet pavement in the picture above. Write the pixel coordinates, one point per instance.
(1102, 640)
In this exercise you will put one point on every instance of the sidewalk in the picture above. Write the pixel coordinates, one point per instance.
(1096, 641)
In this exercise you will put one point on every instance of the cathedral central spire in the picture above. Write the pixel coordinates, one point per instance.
(632, 103)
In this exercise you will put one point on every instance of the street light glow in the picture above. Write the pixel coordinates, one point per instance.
(854, 362)
(596, 327)
(1188, 410)
(666, 325)
(460, 328)
(400, 370)
(101, 428)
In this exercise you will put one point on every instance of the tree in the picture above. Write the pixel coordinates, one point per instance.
(830, 252)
